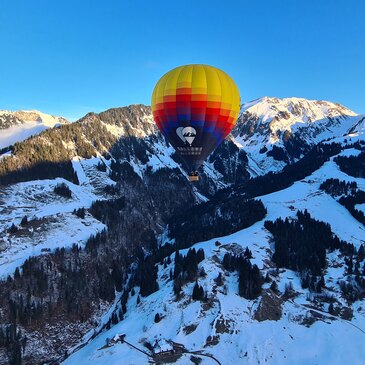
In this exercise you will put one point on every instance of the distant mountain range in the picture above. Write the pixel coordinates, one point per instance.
(272, 131)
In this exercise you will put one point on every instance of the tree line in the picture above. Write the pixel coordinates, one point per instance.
(250, 279)
(47, 156)
(275, 181)
(213, 219)
(349, 194)
(301, 245)
(352, 165)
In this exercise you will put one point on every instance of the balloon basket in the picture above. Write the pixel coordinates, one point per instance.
(193, 178)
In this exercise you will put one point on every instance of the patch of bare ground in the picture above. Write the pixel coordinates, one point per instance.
(270, 307)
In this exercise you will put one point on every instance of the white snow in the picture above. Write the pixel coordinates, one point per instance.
(76, 164)
(45, 238)
(36, 200)
(314, 121)
(162, 157)
(19, 132)
(360, 207)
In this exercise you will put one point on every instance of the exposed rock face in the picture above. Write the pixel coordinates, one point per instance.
(7, 119)
(269, 308)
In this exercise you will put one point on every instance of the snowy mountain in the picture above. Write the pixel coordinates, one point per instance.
(289, 325)
(19, 125)
(107, 205)
(269, 118)
(358, 128)
(276, 131)
(128, 135)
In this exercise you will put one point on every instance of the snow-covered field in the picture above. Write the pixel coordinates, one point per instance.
(52, 222)
(89, 176)
(48, 234)
(37, 198)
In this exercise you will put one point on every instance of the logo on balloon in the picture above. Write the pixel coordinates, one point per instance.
(186, 134)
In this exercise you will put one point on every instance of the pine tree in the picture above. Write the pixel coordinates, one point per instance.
(274, 287)
(227, 262)
(219, 279)
(198, 292)
(200, 255)
(13, 229)
(248, 253)
(17, 274)
(157, 318)
(202, 272)
(24, 221)
(361, 253)
(114, 318)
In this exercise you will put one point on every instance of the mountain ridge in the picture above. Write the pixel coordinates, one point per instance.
(8, 118)
(22, 124)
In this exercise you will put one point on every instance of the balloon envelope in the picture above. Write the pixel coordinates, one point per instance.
(195, 107)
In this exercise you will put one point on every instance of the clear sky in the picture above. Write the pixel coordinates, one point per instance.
(69, 57)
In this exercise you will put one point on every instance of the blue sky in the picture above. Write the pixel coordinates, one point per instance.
(71, 57)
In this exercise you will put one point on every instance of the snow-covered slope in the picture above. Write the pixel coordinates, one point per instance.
(266, 116)
(265, 120)
(18, 126)
(226, 325)
(358, 128)
(49, 215)
(52, 222)
(291, 124)
(126, 146)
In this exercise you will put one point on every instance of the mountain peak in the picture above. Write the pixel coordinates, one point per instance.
(132, 120)
(15, 126)
(295, 105)
(270, 116)
(269, 123)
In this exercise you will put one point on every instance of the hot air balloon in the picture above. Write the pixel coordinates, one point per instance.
(195, 107)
